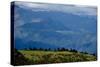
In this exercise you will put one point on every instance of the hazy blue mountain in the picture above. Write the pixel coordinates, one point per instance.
(33, 44)
(53, 29)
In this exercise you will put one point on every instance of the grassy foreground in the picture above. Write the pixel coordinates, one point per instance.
(44, 57)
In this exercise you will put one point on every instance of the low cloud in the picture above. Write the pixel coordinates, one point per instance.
(67, 32)
(73, 9)
(36, 20)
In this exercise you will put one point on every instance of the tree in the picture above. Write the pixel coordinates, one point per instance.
(58, 49)
(63, 49)
(49, 49)
(73, 50)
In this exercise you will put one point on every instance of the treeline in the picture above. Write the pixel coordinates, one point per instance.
(49, 49)
(57, 49)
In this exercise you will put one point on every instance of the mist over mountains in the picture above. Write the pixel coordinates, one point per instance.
(55, 27)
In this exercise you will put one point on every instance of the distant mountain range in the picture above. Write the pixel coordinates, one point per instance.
(54, 29)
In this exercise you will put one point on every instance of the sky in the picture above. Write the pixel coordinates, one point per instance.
(74, 9)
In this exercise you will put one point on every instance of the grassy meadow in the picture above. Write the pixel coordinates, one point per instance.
(28, 57)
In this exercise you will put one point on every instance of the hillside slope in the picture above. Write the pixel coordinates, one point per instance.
(45, 57)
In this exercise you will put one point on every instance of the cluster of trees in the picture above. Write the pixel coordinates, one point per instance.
(49, 49)
(57, 49)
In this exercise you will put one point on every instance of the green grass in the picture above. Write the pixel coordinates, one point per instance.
(44, 57)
